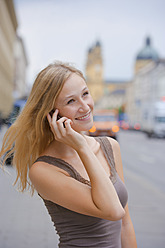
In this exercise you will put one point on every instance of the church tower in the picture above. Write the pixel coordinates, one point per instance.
(94, 71)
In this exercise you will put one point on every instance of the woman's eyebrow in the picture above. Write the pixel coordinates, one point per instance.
(70, 96)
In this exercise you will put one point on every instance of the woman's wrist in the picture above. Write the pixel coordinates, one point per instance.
(84, 149)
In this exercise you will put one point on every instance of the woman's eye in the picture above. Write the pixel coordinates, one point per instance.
(70, 101)
(85, 93)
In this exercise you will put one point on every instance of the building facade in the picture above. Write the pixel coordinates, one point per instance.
(8, 26)
(146, 55)
(148, 83)
(94, 71)
(114, 94)
(20, 87)
(107, 94)
(149, 87)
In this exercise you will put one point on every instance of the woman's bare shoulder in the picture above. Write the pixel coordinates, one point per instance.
(63, 190)
(40, 168)
(114, 143)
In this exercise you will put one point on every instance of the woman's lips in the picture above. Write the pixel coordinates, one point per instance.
(84, 116)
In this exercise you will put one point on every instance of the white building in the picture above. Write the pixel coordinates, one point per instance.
(148, 87)
(148, 84)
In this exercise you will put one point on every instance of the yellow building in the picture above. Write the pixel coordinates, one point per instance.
(94, 71)
(8, 26)
(106, 93)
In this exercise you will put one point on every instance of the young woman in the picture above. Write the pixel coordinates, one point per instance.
(79, 178)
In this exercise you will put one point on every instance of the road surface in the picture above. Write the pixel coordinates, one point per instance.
(24, 221)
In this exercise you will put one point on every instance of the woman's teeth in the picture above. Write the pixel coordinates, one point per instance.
(83, 117)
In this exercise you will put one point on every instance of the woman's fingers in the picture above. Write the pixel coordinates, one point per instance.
(63, 132)
(54, 116)
(52, 123)
(57, 125)
(68, 124)
(61, 125)
(49, 118)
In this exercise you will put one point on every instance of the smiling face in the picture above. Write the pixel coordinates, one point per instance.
(76, 103)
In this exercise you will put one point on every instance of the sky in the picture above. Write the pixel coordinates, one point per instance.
(65, 30)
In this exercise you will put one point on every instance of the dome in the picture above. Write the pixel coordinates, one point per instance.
(148, 52)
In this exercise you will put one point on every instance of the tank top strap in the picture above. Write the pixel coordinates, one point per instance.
(108, 151)
(62, 164)
(58, 163)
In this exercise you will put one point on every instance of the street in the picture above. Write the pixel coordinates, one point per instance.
(144, 170)
(24, 221)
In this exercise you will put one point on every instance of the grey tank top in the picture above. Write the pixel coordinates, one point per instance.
(78, 230)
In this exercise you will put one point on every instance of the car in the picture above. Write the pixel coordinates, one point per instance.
(135, 125)
(17, 108)
(124, 125)
(105, 123)
(9, 160)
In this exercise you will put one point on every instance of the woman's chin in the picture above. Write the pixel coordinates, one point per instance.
(84, 129)
(82, 126)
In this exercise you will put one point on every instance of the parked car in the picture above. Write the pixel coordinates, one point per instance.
(124, 125)
(17, 108)
(9, 160)
(105, 124)
(135, 125)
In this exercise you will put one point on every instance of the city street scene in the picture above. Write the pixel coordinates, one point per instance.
(25, 222)
(119, 47)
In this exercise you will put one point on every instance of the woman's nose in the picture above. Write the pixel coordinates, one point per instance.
(83, 106)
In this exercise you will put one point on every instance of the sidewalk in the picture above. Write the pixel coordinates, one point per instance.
(146, 205)
(24, 221)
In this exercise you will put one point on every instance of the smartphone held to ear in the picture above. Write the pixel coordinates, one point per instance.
(52, 112)
(58, 116)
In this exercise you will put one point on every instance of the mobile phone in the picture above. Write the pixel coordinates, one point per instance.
(58, 116)
(52, 112)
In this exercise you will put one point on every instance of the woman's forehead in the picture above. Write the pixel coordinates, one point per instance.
(73, 83)
(72, 86)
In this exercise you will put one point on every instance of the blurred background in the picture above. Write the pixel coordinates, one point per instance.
(119, 46)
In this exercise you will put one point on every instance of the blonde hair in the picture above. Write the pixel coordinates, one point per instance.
(30, 134)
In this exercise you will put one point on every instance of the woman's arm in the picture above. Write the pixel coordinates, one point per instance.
(102, 190)
(54, 184)
(100, 200)
(128, 238)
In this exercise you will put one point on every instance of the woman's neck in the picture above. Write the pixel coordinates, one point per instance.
(61, 150)
(58, 149)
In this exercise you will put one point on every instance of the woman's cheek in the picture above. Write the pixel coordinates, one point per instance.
(69, 112)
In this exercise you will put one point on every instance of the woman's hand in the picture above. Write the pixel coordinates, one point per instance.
(63, 132)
